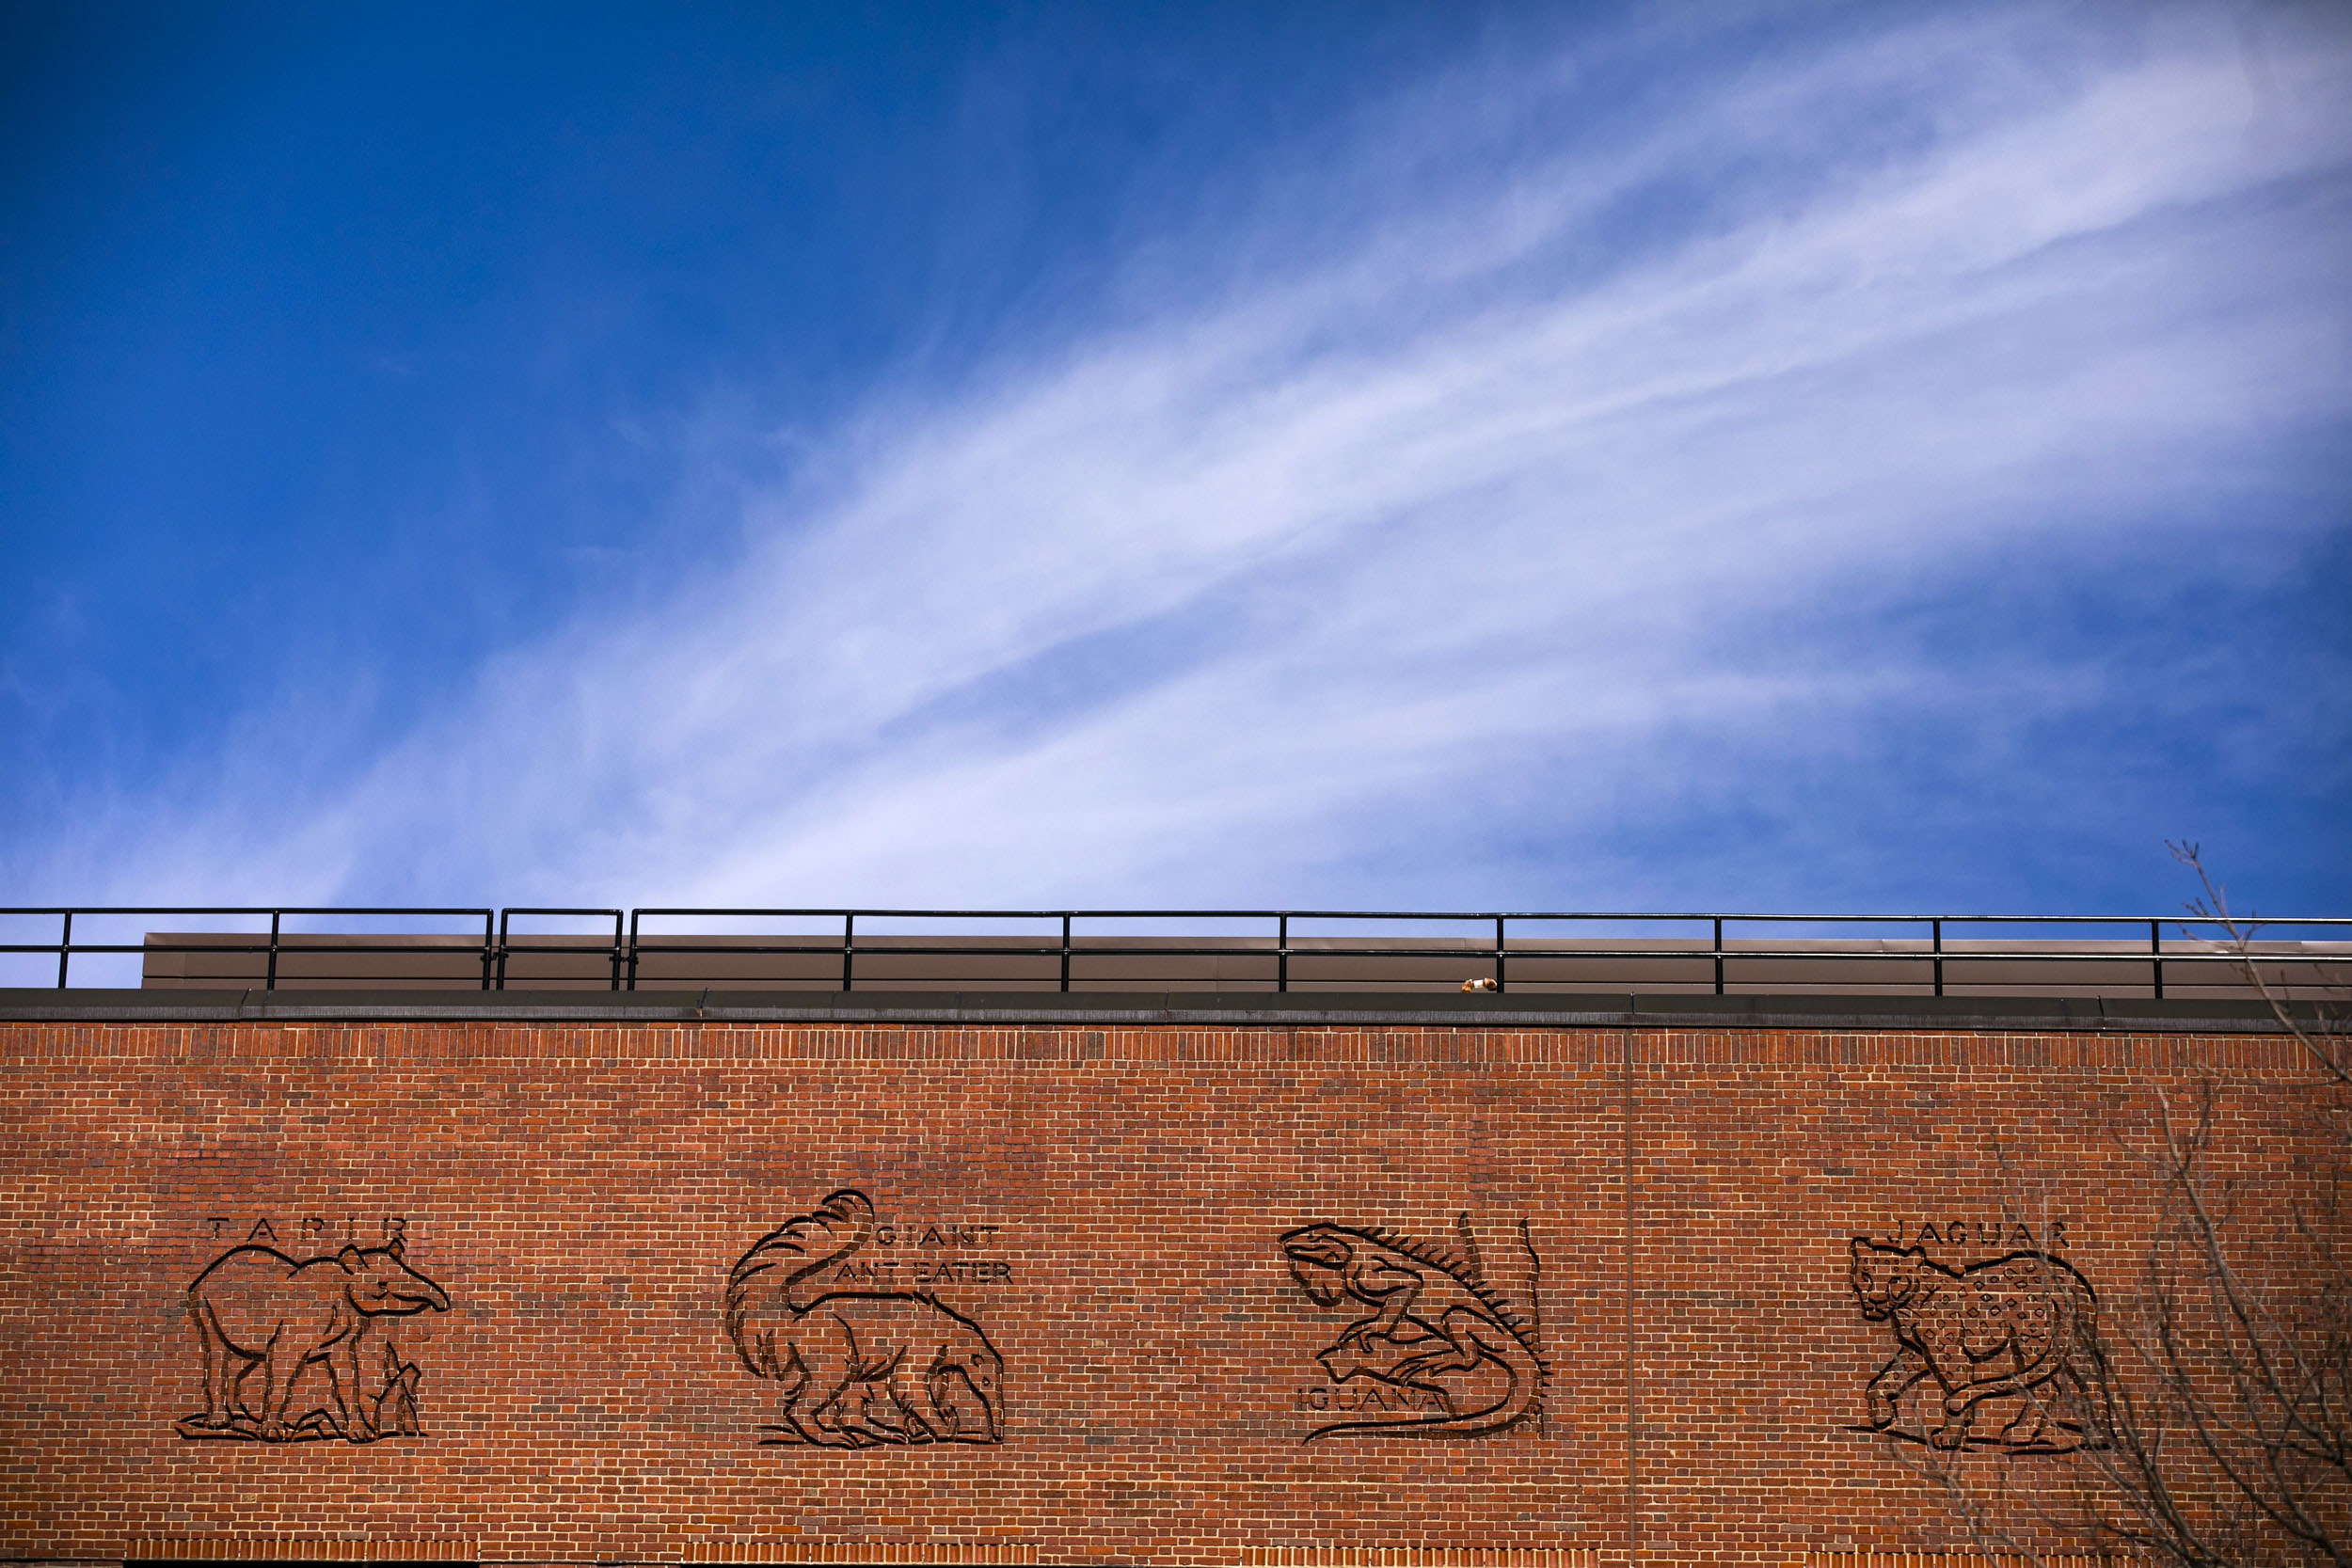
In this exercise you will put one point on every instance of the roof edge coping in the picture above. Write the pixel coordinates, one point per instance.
(1200, 1009)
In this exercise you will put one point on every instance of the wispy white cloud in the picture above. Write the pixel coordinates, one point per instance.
(1291, 590)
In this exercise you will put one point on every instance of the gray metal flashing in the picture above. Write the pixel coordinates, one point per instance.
(1294, 1009)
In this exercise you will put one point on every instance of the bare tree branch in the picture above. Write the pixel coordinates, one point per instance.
(2218, 1414)
(2324, 1034)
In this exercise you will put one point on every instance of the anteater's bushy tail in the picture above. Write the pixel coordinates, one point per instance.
(766, 1281)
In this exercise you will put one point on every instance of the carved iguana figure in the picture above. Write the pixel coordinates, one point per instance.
(1460, 1323)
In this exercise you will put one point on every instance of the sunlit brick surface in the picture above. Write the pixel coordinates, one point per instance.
(1108, 1204)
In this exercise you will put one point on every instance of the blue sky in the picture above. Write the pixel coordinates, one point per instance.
(1325, 455)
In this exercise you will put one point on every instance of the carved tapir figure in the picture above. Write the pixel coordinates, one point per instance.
(257, 1306)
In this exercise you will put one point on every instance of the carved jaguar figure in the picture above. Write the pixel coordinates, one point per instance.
(2017, 1325)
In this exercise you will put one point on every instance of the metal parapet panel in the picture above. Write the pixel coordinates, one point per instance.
(1249, 965)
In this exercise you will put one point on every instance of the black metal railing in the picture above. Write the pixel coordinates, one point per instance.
(545, 946)
(630, 942)
(271, 943)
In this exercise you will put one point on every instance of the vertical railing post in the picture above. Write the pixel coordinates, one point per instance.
(1499, 976)
(65, 948)
(633, 949)
(1065, 952)
(1937, 927)
(489, 947)
(269, 981)
(2155, 949)
(1282, 952)
(616, 950)
(1719, 955)
(504, 930)
(848, 947)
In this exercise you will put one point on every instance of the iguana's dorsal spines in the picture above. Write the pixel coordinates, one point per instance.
(1419, 1251)
(1530, 1379)
(1459, 1270)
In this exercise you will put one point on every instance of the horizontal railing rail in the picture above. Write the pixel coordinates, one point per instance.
(631, 941)
(272, 942)
(544, 945)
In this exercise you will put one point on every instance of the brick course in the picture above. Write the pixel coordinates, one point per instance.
(581, 1189)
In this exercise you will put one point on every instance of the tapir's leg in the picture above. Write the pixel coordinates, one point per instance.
(283, 1363)
(343, 1372)
(241, 1367)
(219, 1389)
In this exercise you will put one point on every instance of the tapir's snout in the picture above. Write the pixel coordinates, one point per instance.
(407, 1291)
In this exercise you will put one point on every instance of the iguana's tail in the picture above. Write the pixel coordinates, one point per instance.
(764, 1287)
(1501, 1341)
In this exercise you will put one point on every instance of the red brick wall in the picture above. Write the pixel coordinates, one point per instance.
(579, 1192)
